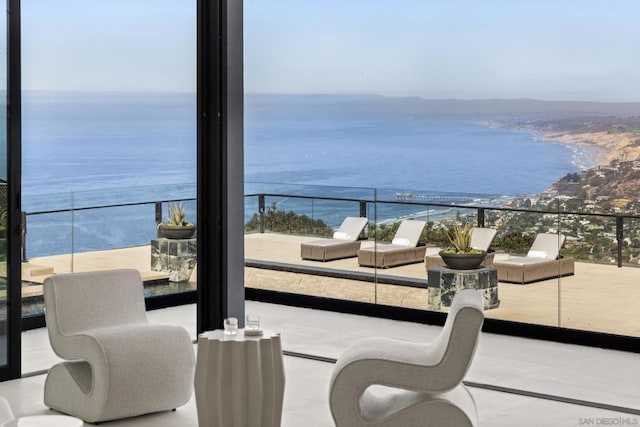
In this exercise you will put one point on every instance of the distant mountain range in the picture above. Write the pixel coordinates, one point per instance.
(530, 108)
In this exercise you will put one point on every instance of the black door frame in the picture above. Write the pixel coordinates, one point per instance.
(13, 323)
(220, 174)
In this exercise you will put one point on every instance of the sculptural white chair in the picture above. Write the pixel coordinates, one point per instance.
(422, 382)
(119, 365)
(6, 414)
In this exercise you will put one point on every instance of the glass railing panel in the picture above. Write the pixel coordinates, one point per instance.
(592, 238)
(107, 229)
(554, 294)
(119, 228)
(180, 192)
(401, 272)
(527, 247)
(47, 246)
(290, 244)
(603, 294)
(630, 245)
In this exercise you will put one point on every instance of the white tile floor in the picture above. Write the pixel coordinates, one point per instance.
(592, 374)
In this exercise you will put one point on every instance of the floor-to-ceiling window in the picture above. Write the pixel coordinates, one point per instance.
(518, 116)
(119, 81)
(109, 140)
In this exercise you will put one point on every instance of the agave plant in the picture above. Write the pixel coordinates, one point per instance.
(460, 239)
(175, 227)
(177, 213)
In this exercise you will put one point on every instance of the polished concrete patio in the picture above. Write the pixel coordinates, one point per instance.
(597, 298)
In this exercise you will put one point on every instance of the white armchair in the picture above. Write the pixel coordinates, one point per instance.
(118, 364)
(6, 414)
(422, 382)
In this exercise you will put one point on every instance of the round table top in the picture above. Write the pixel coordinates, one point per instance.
(45, 421)
(220, 335)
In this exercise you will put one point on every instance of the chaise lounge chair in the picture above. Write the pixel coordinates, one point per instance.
(481, 238)
(543, 261)
(403, 249)
(344, 244)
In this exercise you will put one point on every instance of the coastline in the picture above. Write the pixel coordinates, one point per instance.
(605, 146)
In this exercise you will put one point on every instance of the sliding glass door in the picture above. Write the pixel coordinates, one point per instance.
(10, 231)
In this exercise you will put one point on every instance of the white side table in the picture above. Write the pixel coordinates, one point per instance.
(239, 380)
(45, 421)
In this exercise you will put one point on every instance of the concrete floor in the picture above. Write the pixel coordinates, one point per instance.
(603, 376)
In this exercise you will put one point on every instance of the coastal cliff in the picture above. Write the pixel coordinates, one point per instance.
(616, 148)
(621, 143)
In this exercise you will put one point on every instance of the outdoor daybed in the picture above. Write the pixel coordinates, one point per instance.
(542, 262)
(403, 249)
(344, 244)
(481, 238)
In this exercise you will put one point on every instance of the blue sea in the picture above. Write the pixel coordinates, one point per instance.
(83, 150)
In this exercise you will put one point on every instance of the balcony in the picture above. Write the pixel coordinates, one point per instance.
(599, 297)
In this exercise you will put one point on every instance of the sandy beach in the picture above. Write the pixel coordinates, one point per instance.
(623, 146)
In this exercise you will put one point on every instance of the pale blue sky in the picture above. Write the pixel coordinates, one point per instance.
(545, 49)
(123, 45)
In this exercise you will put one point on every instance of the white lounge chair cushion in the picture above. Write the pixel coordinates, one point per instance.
(549, 243)
(409, 230)
(340, 235)
(401, 242)
(481, 238)
(537, 254)
(350, 228)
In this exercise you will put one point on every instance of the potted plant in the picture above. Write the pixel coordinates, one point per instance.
(176, 227)
(460, 255)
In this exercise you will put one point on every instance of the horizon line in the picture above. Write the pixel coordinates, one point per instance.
(326, 94)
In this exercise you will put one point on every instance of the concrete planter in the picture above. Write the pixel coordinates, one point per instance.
(177, 231)
(462, 261)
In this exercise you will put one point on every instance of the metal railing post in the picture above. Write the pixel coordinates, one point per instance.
(261, 211)
(363, 214)
(480, 217)
(23, 236)
(363, 208)
(619, 237)
(158, 218)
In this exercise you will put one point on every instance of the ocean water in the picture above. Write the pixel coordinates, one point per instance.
(82, 150)
(342, 141)
(100, 149)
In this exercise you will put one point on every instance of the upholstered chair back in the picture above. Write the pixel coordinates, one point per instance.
(423, 380)
(6, 414)
(458, 339)
(92, 300)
